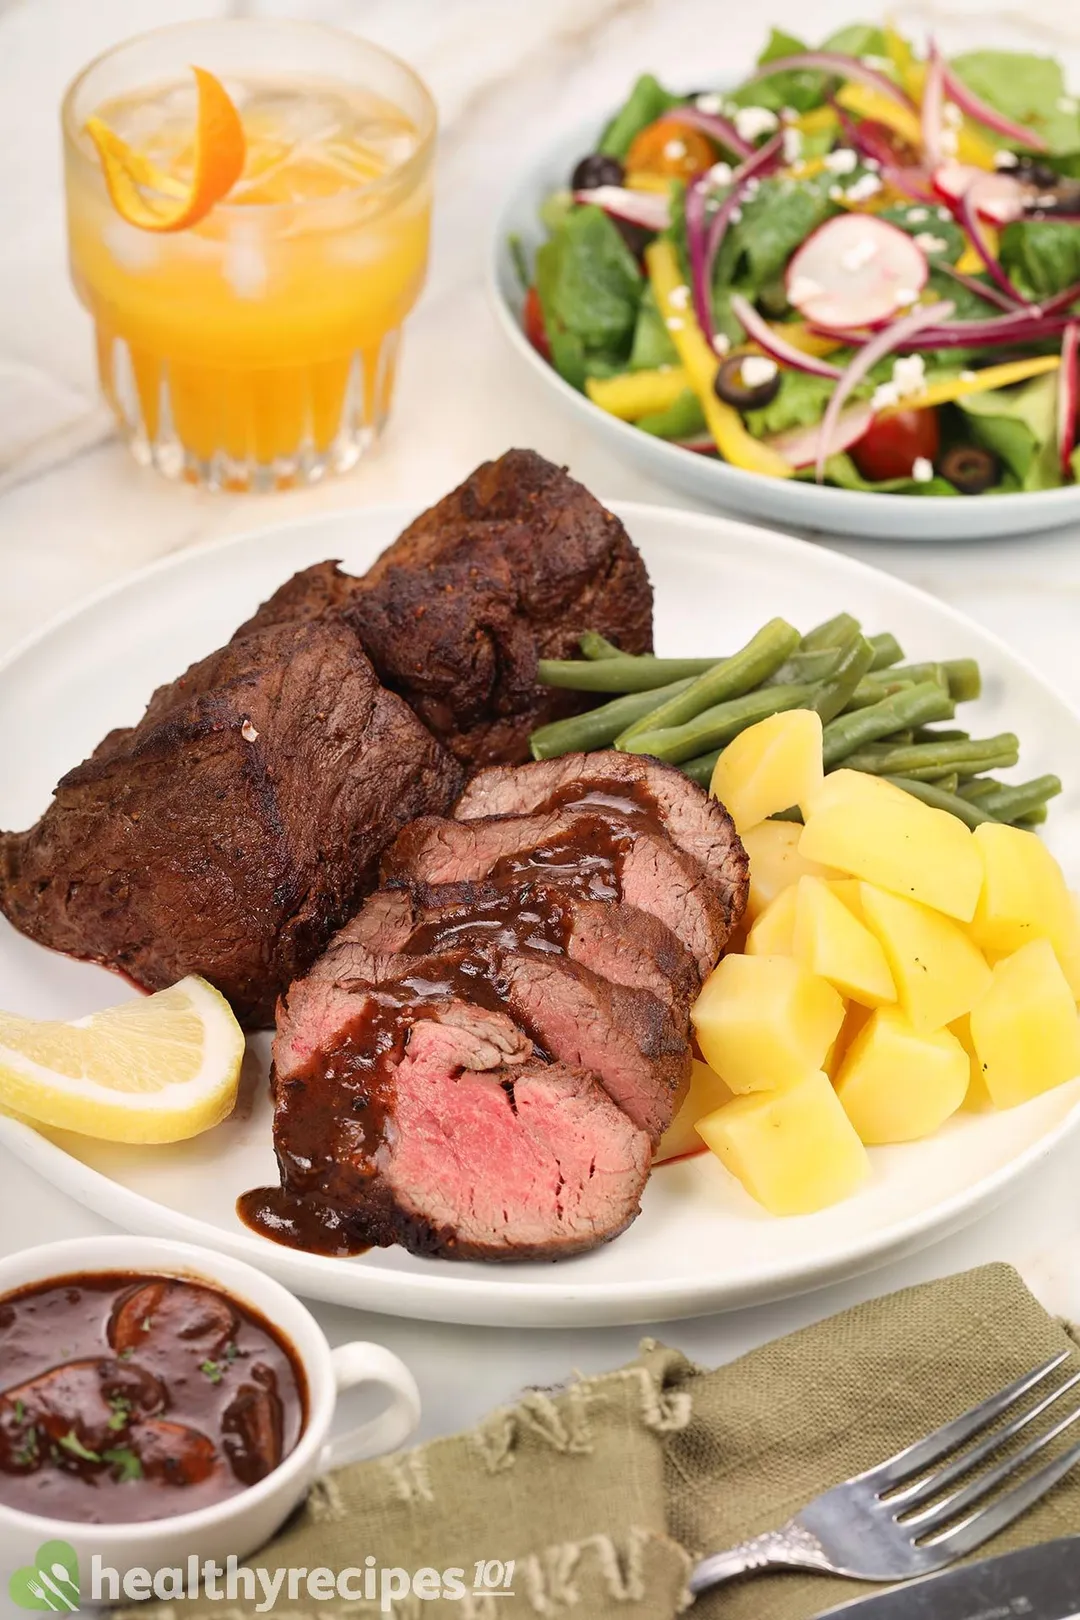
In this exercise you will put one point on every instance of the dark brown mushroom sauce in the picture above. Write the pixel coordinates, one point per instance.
(125, 1398)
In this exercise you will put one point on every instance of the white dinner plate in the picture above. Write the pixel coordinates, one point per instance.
(700, 1244)
(789, 501)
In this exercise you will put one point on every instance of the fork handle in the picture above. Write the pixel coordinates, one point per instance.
(791, 1547)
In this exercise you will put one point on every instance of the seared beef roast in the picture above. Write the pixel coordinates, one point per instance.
(549, 924)
(237, 825)
(511, 567)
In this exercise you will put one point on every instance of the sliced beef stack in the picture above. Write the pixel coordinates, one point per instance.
(484, 1058)
(239, 823)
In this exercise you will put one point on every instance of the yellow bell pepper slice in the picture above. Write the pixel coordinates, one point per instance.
(817, 121)
(637, 393)
(970, 262)
(866, 102)
(799, 335)
(730, 435)
(899, 52)
(980, 382)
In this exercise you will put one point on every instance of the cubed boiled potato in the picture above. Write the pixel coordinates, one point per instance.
(770, 767)
(764, 1022)
(855, 1019)
(897, 1084)
(832, 942)
(847, 787)
(795, 1151)
(939, 974)
(1024, 897)
(901, 845)
(849, 890)
(1026, 1029)
(977, 1099)
(773, 934)
(707, 1093)
(775, 862)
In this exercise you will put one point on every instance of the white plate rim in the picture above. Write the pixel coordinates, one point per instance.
(497, 1301)
(1041, 509)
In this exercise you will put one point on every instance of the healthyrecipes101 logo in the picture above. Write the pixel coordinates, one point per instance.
(50, 1582)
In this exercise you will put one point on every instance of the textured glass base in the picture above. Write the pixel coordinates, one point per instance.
(260, 430)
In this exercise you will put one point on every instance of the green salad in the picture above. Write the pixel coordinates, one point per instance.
(860, 267)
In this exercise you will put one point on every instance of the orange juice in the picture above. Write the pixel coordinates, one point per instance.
(258, 347)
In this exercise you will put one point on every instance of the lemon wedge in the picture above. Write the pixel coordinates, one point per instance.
(157, 1069)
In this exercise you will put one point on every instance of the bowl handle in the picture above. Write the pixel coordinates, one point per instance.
(362, 1363)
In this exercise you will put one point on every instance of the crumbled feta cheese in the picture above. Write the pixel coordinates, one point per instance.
(248, 732)
(969, 376)
(680, 297)
(930, 243)
(674, 150)
(711, 102)
(674, 324)
(905, 296)
(952, 115)
(789, 115)
(1005, 159)
(871, 163)
(735, 215)
(885, 395)
(836, 193)
(803, 288)
(792, 145)
(950, 142)
(842, 161)
(752, 185)
(750, 122)
(865, 187)
(757, 369)
(720, 174)
(1068, 104)
(944, 213)
(909, 374)
(922, 470)
(721, 343)
(917, 215)
(860, 253)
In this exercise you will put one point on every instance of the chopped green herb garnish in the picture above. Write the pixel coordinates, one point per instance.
(28, 1451)
(127, 1465)
(213, 1371)
(20, 1411)
(71, 1443)
(231, 1350)
(121, 1412)
(126, 1355)
(147, 1323)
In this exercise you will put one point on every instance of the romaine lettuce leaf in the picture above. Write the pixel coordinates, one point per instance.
(647, 101)
(1027, 88)
(803, 88)
(652, 346)
(842, 470)
(945, 231)
(589, 286)
(1019, 425)
(801, 402)
(774, 221)
(858, 39)
(1042, 256)
(685, 419)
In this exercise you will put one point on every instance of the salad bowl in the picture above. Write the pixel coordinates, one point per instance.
(794, 502)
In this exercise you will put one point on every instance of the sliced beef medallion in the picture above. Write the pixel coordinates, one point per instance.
(237, 825)
(598, 856)
(632, 787)
(512, 566)
(409, 1115)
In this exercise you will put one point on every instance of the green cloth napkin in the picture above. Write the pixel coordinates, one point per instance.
(603, 1493)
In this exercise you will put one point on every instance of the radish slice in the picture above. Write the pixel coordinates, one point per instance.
(647, 208)
(711, 124)
(1067, 397)
(933, 106)
(844, 66)
(975, 107)
(1001, 196)
(968, 212)
(868, 356)
(757, 328)
(855, 270)
(804, 447)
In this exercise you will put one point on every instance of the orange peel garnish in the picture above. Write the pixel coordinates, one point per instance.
(220, 152)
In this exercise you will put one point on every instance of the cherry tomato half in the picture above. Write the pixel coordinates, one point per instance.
(891, 446)
(670, 148)
(532, 318)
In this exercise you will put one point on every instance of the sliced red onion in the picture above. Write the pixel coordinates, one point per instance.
(757, 328)
(977, 108)
(868, 356)
(650, 209)
(992, 295)
(805, 447)
(968, 210)
(1061, 300)
(721, 130)
(704, 240)
(963, 335)
(1067, 396)
(914, 184)
(839, 63)
(933, 106)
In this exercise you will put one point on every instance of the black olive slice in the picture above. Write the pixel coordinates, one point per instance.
(970, 468)
(598, 169)
(734, 388)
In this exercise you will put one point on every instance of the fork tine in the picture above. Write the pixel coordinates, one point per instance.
(941, 1512)
(923, 1454)
(935, 1483)
(982, 1526)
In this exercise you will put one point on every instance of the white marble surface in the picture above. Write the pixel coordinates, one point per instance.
(75, 512)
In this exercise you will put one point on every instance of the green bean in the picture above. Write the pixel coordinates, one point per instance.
(933, 795)
(913, 707)
(1034, 818)
(991, 753)
(594, 645)
(833, 633)
(977, 788)
(794, 814)
(939, 734)
(626, 673)
(730, 678)
(598, 728)
(950, 783)
(700, 770)
(960, 675)
(718, 725)
(1009, 801)
(832, 696)
(806, 666)
(870, 691)
(887, 650)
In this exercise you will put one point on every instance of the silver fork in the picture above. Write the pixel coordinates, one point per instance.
(893, 1523)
